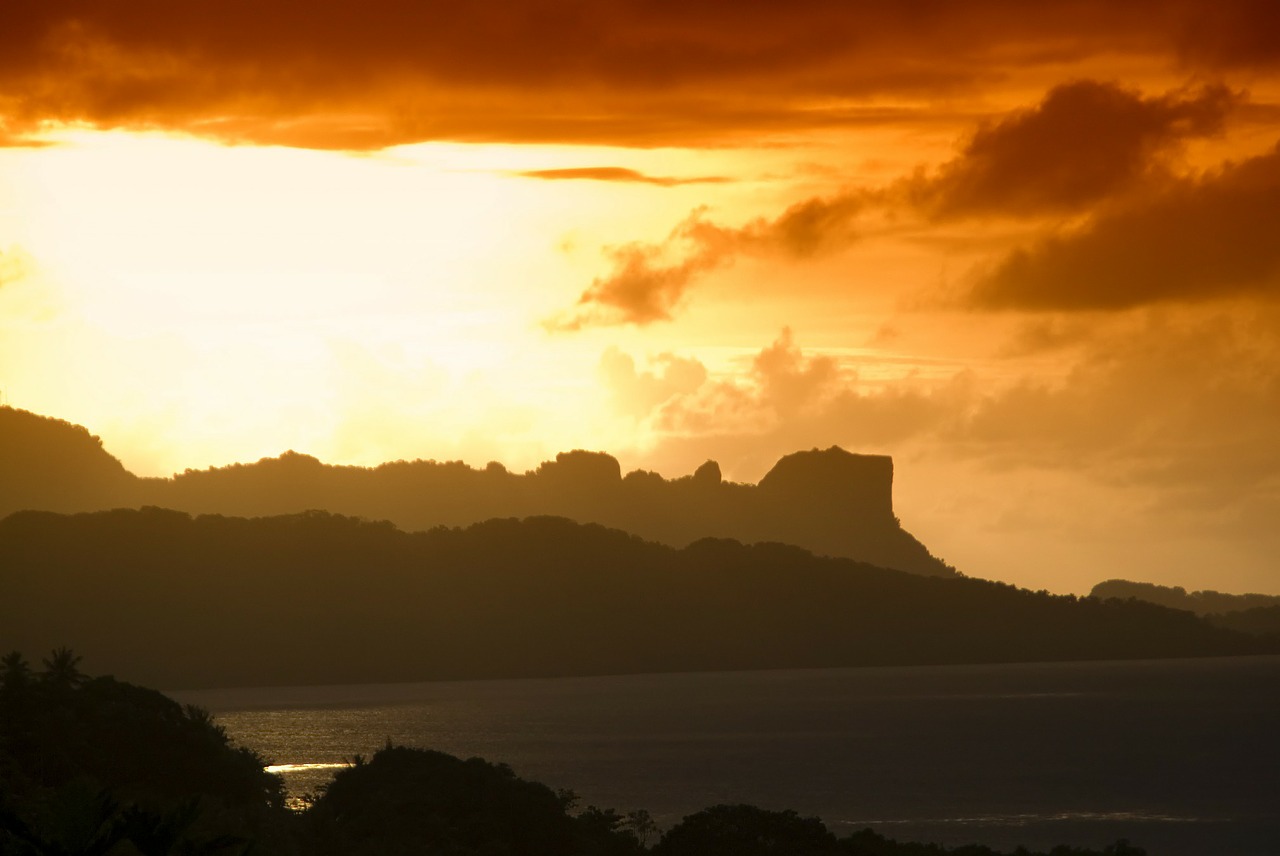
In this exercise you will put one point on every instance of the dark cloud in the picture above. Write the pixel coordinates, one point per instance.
(1195, 239)
(648, 281)
(616, 173)
(1085, 142)
(331, 74)
(1234, 35)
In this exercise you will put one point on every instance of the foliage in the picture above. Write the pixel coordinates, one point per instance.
(407, 800)
(744, 830)
(94, 765)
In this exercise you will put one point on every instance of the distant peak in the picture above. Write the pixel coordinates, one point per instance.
(835, 478)
(708, 473)
(581, 466)
(826, 464)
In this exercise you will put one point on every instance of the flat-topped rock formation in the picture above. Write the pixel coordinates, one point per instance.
(831, 502)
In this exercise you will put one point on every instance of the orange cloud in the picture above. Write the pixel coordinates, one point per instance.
(616, 173)
(645, 287)
(1082, 144)
(391, 71)
(1195, 239)
(638, 393)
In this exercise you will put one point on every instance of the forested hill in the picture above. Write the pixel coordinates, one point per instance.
(315, 598)
(1256, 614)
(831, 501)
(1176, 597)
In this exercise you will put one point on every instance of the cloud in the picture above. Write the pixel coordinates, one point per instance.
(788, 399)
(396, 71)
(643, 287)
(1082, 144)
(636, 393)
(12, 140)
(649, 281)
(1230, 36)
(1195, 239)
(1176, 400)
(617, 173)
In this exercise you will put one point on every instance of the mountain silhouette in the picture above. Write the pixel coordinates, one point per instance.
(57, 466)
(830, 502)
(1256, 614)
(1205, 602)
(317, 598)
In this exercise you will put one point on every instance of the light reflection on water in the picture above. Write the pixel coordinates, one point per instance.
(1179, 756)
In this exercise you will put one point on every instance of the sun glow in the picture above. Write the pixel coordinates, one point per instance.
(369, 305)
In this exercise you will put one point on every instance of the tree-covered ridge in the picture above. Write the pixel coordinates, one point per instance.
(98, 767)
(1205, 602)
(317, 598)
(1255, 614)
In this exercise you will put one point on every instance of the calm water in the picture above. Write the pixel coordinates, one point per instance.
(1180, 756)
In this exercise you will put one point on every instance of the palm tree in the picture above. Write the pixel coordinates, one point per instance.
(16, 673)
(61, 669)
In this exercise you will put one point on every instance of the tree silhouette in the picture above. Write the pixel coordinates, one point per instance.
(16, 672)
(169, 833)
(80, 820)
(745, 830)
(61, 670)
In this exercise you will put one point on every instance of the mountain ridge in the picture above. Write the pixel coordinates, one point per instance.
(317, 598)
(831, 501)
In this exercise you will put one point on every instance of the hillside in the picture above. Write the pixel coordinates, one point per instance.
(1176, 597)
(183, 601)
(831, 502)
(54, 465)
(1255, 614)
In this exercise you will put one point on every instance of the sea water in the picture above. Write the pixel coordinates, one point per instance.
(1179, 756)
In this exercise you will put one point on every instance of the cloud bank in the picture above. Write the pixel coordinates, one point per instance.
(1208, 237)
(1087, 146)
(330, 75)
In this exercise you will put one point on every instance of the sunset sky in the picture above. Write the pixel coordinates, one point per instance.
(1031, 250)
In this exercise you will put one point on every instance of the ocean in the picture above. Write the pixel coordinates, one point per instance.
(1179, 756)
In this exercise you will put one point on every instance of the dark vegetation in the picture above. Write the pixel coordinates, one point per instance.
(1256, 614)
(831, 502)
(88, 765)
(98, 767)
(1206, 602)
(317, 598)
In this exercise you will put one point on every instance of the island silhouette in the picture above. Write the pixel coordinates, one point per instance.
(830, 502)
(186, 601)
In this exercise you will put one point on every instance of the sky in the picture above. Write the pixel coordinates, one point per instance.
(1032, 251)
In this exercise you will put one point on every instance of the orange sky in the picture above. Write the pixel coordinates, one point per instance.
(1030, 250)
